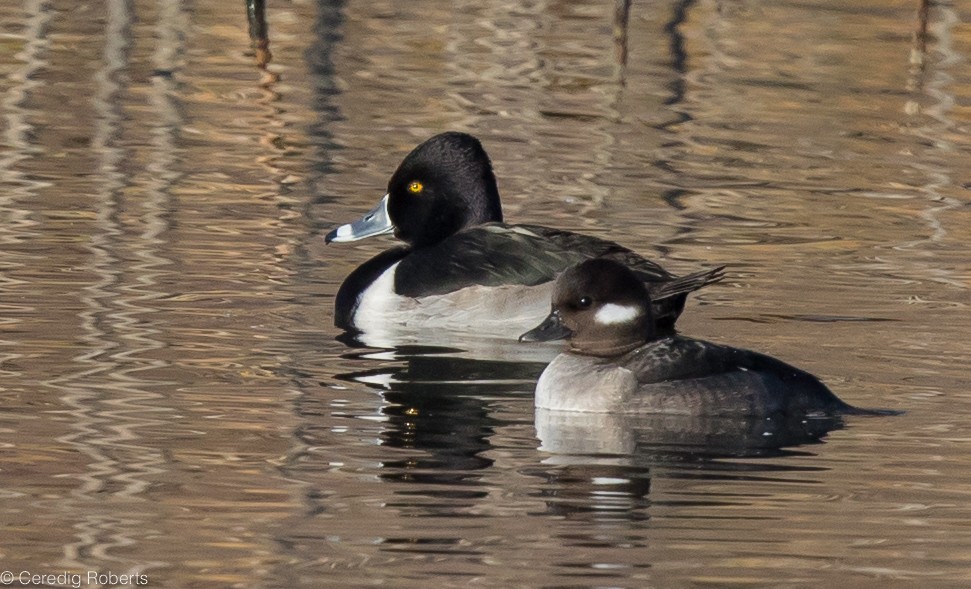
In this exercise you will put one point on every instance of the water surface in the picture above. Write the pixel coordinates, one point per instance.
(175, 401)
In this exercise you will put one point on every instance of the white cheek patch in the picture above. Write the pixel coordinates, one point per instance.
(611, 314)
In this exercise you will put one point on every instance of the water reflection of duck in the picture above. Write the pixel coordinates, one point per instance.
(674, 438)
(441, 415)
(606, 466)
(617, 361)
(437, 402)
(463, 268)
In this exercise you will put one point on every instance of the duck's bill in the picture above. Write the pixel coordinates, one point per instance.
(549, 330)
(376, 222)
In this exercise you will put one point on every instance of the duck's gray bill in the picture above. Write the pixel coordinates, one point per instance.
(376, 222)
(550, 329)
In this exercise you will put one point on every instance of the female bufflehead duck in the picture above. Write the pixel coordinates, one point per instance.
(618, 362)
(463, 268)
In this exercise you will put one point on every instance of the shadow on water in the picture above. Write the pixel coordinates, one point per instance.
(438, 402)
(675, 438)
(439, 406)
(605, 463)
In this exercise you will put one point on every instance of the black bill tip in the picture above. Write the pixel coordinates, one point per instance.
(550, 329)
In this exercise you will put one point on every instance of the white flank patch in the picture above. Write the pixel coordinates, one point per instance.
(388, 319)
(611, 314)
(378, 300)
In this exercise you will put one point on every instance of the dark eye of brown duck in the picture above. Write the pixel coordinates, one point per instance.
(584, 302)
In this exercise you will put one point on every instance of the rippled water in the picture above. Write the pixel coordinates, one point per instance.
(175, 402)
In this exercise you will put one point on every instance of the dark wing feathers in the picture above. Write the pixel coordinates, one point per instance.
(711, 375)
(497, 254)
(668, 297)
(487, 255)
(594, 247)
(686, 284)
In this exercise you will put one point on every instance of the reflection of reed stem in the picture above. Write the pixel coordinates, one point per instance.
(621, 26)
(918, 52)
(920, 35)
(259, 33)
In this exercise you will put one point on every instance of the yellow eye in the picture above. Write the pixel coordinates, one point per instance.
(415, 187)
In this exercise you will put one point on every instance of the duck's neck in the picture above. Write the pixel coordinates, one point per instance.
(605, 350)
(486, 206)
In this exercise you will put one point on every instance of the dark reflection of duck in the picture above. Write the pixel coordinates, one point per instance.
(604, 466)
(498, 351)
(439, 418)
(595, 491)
(667, 438)
(437, 404)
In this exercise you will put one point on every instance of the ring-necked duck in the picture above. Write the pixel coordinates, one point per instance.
(463, 268)
(617, 362)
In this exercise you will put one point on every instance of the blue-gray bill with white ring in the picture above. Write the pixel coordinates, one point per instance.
(375, 222)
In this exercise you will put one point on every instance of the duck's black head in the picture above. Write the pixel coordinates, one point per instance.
(601, 307)
(443, 186)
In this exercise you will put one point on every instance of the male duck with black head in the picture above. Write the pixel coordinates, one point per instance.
(463, 269)
(617, 361)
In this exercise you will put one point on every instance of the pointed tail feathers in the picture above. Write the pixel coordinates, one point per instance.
(687, 283)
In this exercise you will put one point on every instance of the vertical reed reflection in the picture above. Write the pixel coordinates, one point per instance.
(679, 56)
(327, 36)
(621, 34)
(306, 402)
(918, 55)
(111, 401)
(100, 527)
(936, 126)
(18, 127)
(259, 32)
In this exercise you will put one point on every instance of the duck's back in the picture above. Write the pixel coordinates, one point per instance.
(497, 254)
(501, 255)
(684, 376)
